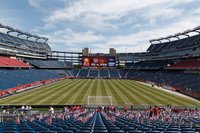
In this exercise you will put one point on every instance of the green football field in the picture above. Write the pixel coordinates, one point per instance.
(76, 92)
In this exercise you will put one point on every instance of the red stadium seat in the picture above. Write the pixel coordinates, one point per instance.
(9, 62)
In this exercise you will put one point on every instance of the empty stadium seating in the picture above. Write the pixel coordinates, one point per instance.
(186, 64)
(147, 65)
(83, 73)
(175, 45)
(23, 43)
(20, 77)
(49, 64)
(10, 62)
(123, 73)
(114, 73)
(104, 121)
(94, 73)
(187, 82)
(75, 72)
(104, 73)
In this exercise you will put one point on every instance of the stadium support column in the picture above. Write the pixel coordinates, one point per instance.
(88, 73)
(108, 73)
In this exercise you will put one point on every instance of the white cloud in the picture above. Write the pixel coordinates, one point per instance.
(161, 12)
(87, 37)
(96, 17)
(73, 40)
(35, 3)
(97, 13)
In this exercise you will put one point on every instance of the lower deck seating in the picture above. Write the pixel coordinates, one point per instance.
(104, 73)
(114, 74)
(13, 78)
(83, 73)
(94, 73)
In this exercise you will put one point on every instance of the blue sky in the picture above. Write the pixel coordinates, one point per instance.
(126, 25)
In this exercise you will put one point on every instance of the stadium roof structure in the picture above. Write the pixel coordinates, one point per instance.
(10, 29)
(177, 35)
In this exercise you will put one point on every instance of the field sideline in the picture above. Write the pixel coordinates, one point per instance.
(76, 92)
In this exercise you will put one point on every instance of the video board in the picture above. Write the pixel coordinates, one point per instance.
(108, 61)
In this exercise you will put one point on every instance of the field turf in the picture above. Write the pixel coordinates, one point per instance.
(76, 92)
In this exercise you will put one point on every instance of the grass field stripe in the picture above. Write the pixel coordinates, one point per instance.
(172, 97)
(133, 93)
(63, 90)
(98, 92)
(103, 89)
(52, 95)
(75, 94)
(124, 93)
(152, 99)
(141, 94)
(40, 98)
(86, 94)
(148, 93)
(21, 97)
(67, 93)
(129, 96)
(35, 94)
(99, 89)
(70, 87)
(119, 100)
(13, 97)
(79, 92)
(72, 92)
(52, 92)
(147, 89)
(109, 93)
(36, 97)
(93, 93)
(118, 92)
(136, 97)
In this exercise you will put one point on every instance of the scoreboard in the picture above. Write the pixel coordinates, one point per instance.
(102, 61)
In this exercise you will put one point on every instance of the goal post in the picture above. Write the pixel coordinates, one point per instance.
(99, 100)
